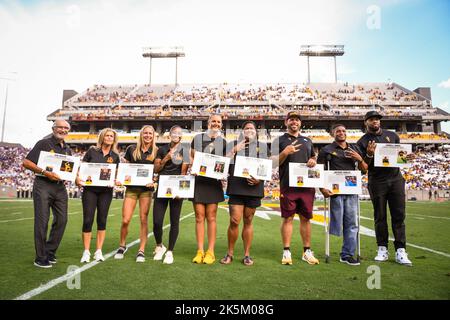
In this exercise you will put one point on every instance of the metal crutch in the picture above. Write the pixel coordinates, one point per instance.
(327, 234)
(325, 214)
(358, 243)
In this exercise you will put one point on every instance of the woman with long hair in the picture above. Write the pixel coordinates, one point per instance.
(144, 152)
(172, 159)
(245, 193)
(95, 197)
(208, 192)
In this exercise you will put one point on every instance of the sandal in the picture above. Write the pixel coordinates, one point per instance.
(227, 259)
(248, 261)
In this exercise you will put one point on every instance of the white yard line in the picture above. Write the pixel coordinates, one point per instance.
(70, 213)
(371, 233)
(52, 283)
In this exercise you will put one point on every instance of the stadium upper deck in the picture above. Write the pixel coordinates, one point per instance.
(127, 107)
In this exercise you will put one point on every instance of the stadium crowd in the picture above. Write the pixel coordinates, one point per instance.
(241, 93)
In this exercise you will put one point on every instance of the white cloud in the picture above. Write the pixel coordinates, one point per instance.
(445, 84)
(61, 45)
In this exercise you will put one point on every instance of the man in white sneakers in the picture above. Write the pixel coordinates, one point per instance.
(386, 187)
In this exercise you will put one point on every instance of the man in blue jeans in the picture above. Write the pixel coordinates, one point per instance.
(339, 155)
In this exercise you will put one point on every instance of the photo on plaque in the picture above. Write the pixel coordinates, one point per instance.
(245, 172)
(262, 170)
(88, 180)
(168, 192)
(66, 166)
(335, 188)
(142, 173)
(313, 173)
(184, 184)
(219, 167)
(202, 170)
(300, 181)
(49, 168)
(385, 161)
(105, 174)
(401, 157)
(127, 180)
(350, 181)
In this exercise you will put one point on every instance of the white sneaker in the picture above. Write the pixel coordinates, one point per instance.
(86, 257)
(98, 255)
(287, 258)
(308, 256)
(168, 258)
(159, 252)
(382, 254)
(402, 257)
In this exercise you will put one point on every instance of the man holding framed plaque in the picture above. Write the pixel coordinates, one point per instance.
(292, 147)
(386, 187)
(49, 192)
(340, 155)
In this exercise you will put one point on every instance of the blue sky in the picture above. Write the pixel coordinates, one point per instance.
(56, 45)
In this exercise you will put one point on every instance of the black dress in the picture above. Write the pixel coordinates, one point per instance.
(208, 190)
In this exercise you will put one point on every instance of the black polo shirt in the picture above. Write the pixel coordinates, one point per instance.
(170, 168)
(95, 155)
(384, 136)
(204, 143)
(306, 151)
(145, 159)
(145, 156)
(334, 153)
(238, 185)
(49, 144)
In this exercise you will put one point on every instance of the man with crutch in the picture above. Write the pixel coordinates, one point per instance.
(344, 209)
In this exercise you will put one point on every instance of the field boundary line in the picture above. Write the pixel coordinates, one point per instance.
(52, 283)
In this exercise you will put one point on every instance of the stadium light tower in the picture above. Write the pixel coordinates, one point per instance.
(322, 51)
(163, 52)
(6, 102)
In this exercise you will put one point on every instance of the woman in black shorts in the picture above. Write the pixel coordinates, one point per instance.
(143, 152)
(97, 198)
(245, 193)
(208, 192)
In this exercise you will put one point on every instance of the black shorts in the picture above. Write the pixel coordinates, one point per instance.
(247, 201)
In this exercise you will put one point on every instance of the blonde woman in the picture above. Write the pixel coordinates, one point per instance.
(143, 152)
(97, 198)
(208, 192)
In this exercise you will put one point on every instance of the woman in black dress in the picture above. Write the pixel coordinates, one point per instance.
(208, 192)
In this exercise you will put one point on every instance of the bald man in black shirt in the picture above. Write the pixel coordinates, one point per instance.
(49, 191)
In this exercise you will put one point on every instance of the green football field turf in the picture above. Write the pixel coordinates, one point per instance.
(427, 225)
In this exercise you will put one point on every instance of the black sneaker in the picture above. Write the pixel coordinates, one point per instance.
(41, 264)
(52, 259)
(140, 257)
(349, 260)
(120, 252)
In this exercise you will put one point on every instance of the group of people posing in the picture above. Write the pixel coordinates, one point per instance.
(386, 186)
